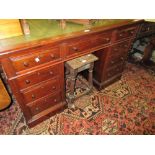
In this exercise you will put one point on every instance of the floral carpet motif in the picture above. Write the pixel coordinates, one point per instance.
(125, 107)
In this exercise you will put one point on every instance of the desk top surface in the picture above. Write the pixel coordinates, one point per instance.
(42, 30)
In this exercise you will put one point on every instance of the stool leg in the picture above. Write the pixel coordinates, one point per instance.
(72, 88)
(90, 78)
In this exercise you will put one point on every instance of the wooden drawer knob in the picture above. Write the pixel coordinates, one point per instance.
(109, 74)
(125, 46)
(53, 87)
(112, 62)
(131, 32)
(51, 73)
(52, 56)
(107, 39)
(115, 49)
(75, 49)
(122, 58)
(33, 96)
(37, 108)
(121, 35)
(117, 69)
(26, 64)
(27, 81)
(55, 100)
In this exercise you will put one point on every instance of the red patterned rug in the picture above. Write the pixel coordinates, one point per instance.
(125, 107)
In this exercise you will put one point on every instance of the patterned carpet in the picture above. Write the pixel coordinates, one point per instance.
(125, 107)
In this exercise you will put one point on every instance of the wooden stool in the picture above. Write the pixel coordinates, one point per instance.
(74, 67)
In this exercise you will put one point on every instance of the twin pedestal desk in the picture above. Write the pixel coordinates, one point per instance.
(34, 68)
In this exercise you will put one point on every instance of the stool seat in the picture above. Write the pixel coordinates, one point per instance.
(81, 61)
(74, 67)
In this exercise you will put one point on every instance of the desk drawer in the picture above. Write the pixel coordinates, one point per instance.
(147, 27)
(38, 76)
(123, 33)
(44, 103)
(78, 46)
(118, 53)
(119, 48)
(34, 59)
(115, 61)
(101, 39)
(110, 72)
(41, 90)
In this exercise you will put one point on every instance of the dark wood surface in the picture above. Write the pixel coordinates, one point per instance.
(34, 69)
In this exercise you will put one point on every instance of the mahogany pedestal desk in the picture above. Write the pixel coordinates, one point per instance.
(34, 64)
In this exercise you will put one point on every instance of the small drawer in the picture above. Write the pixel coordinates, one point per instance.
(34, 59)
(110, 72)
(44, 103)
(147, 27)
(38, 76)
(118, 53)
(123, 33)
(78, 46)
(119, 48)
(115, 61)
(41, 90)
(101, 39)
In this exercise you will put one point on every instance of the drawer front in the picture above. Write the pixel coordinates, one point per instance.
(101, 39)
(41, 90)
(44, 103)
(118, 53)
(78, 46)
(38, 76)
(110, 72)
(147, 27)
(34, 59)
(113, 62)
(125, 32)
(119, 48)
